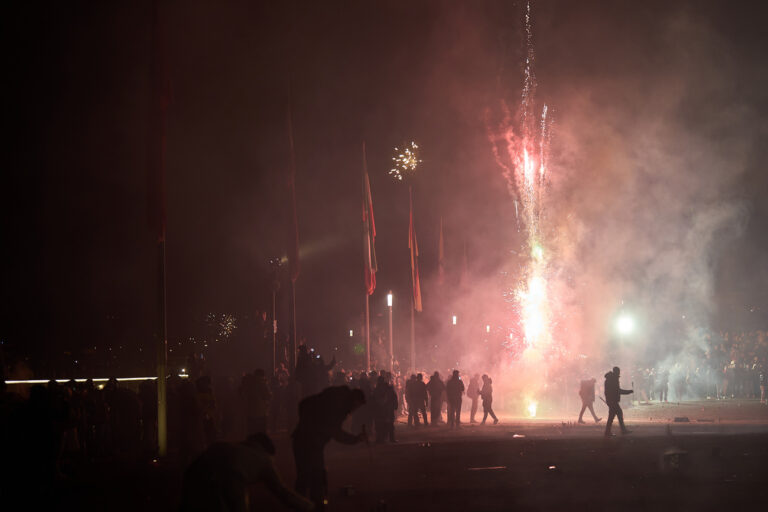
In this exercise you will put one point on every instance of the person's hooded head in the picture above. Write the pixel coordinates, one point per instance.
(455, 374)
(356, 399)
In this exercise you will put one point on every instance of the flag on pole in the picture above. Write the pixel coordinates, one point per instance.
(369, 231)
(414, 248)
(440, 256)
(293, 236)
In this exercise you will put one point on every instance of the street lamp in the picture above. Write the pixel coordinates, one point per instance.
(454, 319)
(391, 345)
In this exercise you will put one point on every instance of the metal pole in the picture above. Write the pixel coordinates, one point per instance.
(162, 358)
(391, 345)
(274, 329)
(367, 334)
(413, 336)
(294, 337)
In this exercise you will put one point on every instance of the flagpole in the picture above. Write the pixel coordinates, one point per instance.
(156, 202)
(367, 334)
(162, 357)
(413, 285)
(293, 323)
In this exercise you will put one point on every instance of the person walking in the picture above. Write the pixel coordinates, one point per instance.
(454, 388)
(487, 394)
(587, 394)
(613, 394)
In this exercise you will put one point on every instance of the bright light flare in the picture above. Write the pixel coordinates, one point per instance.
(625, 324)
(532, 407)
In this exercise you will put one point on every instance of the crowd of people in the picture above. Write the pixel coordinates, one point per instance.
(727, 366)
(56, 426)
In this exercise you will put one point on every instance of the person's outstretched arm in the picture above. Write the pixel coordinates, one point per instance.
(284, 494)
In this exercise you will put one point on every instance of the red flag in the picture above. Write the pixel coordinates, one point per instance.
(159, 100)
(440, 256)
(414, 248)
(369, 232)
(293, 236)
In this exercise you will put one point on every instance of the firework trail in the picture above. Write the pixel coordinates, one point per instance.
(520, 145)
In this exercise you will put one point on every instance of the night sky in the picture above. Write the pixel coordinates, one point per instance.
(78, 260)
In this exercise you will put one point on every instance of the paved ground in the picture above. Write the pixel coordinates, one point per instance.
(715, 460)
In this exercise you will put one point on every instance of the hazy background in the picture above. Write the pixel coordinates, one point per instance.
(656, 195)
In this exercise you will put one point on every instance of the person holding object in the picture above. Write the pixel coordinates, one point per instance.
(613, 394)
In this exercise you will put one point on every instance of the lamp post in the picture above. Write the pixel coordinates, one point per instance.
(391, 344)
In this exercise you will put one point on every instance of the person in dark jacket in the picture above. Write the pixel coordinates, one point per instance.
(435, 388)
(413, 418)
(385, 404)
(487, 394)
(454, 388)
(420, 398)
(613, 393)
(587, 394)
(320, 420)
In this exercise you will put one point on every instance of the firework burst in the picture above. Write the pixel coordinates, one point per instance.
(405, 161)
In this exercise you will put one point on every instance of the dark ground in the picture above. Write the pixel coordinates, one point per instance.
(554, 466)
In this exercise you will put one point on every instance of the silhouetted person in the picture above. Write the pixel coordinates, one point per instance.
(663, 385)
(435, 388)
(454, 388)
(304, 373)
(487, 394)
(385, 404)
(218, 479)
(208, 411)
(473, 393)
(256, 397)
(413, 418)
(320, 420)
(420, 398)
(612, 395)
(587, 394)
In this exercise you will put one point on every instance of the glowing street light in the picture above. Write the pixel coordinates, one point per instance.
(351, 333)
(487, 328)
(389, 299)
(454, 319)
(625, 324)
